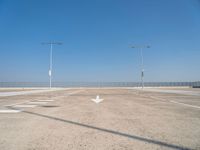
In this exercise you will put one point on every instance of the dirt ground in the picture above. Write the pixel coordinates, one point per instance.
(16, 89)
(126, 119)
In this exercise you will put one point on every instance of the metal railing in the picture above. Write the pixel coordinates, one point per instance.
(99, 84)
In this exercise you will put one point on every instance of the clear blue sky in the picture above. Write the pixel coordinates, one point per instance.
(97, 35)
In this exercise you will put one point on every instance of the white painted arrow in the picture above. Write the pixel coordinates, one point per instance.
(97, 100)
(10, 111)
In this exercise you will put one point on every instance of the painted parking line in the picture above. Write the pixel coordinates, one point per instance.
(2, 94)
(175, 102)
(158, 98)
(38, 103)
(68, 94)
(181, 92)
(30, 104)
(16, 104)
(24, 106)
(45, 100)
(10, 111)
(188, 105)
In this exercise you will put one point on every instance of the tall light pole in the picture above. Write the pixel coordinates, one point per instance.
(51, 59)
(142, 61)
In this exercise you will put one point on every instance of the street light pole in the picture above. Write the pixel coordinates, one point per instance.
(50, 64)
(142, 62)
(142, 67)
(51, 60)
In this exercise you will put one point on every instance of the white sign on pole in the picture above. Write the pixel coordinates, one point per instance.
(49, 72)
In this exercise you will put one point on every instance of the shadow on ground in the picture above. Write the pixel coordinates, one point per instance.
(49, 106)
(134, 137)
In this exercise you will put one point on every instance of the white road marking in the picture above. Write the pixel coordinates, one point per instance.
(23, 106)
(181, 92)
(16, 104)
(72, 93)
(97, 100)
(10, 111)
(185, 104)
(37, 103)
(175, 102)
(27, 92)
(30, 104)
(45, 100)
(158, 98)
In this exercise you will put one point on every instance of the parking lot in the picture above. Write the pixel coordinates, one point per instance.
(125, 119)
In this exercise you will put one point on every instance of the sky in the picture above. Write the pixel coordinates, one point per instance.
(97, 36)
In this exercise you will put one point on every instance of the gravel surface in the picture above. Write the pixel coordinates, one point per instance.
(127, 119)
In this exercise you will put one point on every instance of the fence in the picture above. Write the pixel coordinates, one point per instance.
(99, 84)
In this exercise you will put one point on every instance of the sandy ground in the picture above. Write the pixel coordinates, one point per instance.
(15, 89)
(182, 91)
(15, 92)
(127, 119)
